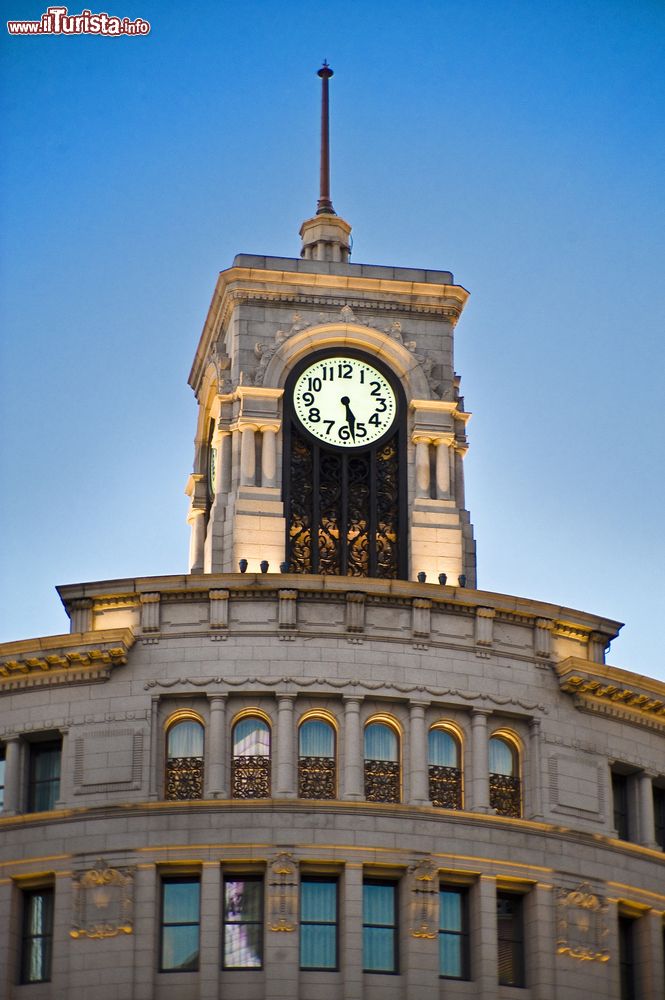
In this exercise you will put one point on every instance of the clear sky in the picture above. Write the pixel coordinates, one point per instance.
(518, 144)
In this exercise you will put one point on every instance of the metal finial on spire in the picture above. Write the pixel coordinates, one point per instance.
(324, 205)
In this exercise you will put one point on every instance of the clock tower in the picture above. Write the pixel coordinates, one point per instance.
(331, 432)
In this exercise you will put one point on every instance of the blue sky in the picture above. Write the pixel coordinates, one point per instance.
(520, 145)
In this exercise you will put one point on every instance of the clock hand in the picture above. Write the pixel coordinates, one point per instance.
(350, 418)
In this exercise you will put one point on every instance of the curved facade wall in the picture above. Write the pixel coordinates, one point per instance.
(170, 829)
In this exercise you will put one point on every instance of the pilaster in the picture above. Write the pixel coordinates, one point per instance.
(285, 747)
(353, 752)
(480, 788)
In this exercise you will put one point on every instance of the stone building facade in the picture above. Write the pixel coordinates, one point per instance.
(323, 764)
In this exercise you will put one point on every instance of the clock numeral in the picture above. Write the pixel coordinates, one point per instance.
(377, 388)
(328, 373)
(314, 383)
(314, 415)
(344, 433)
(308, 398)
(374, 419)
(383, 407)
(361, 430)
(362, 376)
(329, 425)
(344, 370)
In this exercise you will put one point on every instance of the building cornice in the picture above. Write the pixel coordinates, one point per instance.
(608, 690)
(63, 659)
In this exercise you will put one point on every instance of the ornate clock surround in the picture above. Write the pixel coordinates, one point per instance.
(345, 507)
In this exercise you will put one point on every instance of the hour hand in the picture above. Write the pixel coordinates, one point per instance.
(350, 419)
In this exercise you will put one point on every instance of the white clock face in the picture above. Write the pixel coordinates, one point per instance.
(344, 402)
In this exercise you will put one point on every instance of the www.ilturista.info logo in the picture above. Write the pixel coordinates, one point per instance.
(57, 21)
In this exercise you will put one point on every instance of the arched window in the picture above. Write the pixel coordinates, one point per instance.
(505, 787)
(250, 778)
(184, 759)
(445, 773)
(316, 760)
(382, 777)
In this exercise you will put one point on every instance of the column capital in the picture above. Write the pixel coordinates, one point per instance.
(286, 697)
(419, 704)
(480, 713)
(217, 700)
(353, 699)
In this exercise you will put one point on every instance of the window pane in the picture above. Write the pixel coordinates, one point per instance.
(185, 739)
(37, 936)
(510, 934)
(180, 948)
(380, 742)
(318, 946)
(317, 739)
(379, 904)
(442, 748)
(251, 738)
(318, 901)
(450, 955)
(181, 902)
(502, 757)
(242, 900)
(378, 949)
(450, 910)
(242, 946)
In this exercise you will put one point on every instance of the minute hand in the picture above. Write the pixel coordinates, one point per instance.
(350, 419)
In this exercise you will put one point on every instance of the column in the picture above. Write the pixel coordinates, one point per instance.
(419, 791)
(285, 744)
(155, 782)
(269, 457)
(12, 775)
(647, 830)
(480, 787)
(533, 795)
(211, 898)
(422, 468)
(353, 752)
(196, 520)
(216, 749)
(443, 467)
(225, 458)
(247, 456)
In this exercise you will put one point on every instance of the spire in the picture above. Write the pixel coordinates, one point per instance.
(325, 236)
(324, 206)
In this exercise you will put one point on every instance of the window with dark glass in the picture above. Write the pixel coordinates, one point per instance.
(184, 760)
(627, 958)
(44, 775)
(318, 923)
(620, 805)
(379, 926)
(510, 932)
(505, 789)
(445, 775)
(453, 932)
(316, 760)
(659, 815)
(2, 778)
(250, 763)
(180, 925)
(243, 922)
(382, 777)
(37, 936)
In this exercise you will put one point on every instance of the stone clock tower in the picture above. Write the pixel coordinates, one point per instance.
(331, 433)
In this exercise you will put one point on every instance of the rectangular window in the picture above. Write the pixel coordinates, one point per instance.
(453, 932)
(620, 804)
(2, 778)
(379, 926)
(318, 923)
(37, 936)
(510, 932)
(243, 922)
(627, 957)
(659, 815)
(180, 925)
(44, 775)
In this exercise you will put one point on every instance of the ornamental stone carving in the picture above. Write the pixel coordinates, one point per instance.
(282, 893)
(582, 927)
(103, 902)
(219, 608)
(150, 612)
(423, 899)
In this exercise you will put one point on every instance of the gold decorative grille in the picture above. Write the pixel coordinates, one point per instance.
(184, 778)
(445, 786)
(506, 795)
(316, 778)
(250, 777)
(382, 781)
